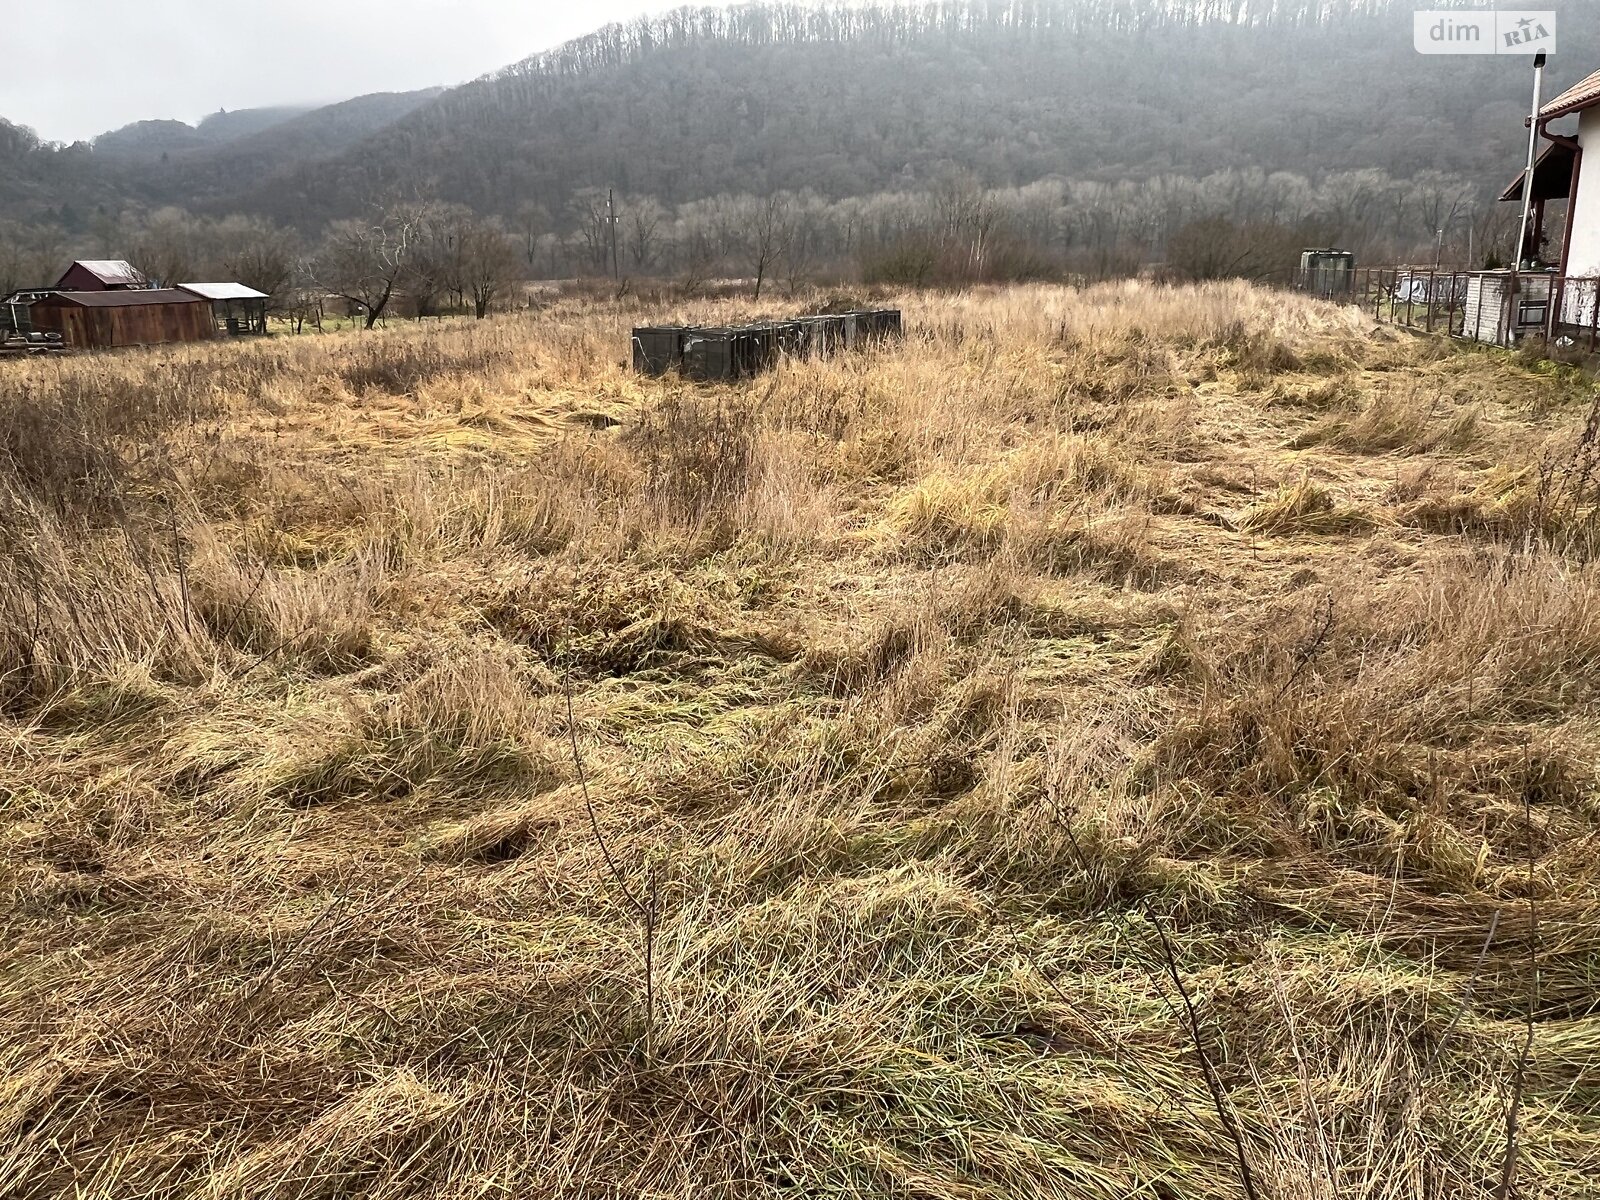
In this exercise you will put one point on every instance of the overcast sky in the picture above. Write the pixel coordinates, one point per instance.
(75, 68)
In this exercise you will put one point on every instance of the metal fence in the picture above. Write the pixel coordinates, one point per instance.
(1497, 307)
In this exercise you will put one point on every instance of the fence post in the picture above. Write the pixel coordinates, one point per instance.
(1429, 299)
(1594, 316)
(1508, 311)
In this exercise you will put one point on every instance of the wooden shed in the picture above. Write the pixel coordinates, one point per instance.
(101, 320)
(102, 275)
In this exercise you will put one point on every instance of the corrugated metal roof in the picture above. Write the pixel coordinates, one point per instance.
(112, 272)
(224, 291)
(125, 299)
(1575, 99)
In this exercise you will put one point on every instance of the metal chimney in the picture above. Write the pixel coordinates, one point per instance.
(1533, 146)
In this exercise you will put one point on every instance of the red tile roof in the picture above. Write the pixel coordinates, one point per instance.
(1575, 99)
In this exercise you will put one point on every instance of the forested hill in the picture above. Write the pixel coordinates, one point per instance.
(852, 100)
(849, 101)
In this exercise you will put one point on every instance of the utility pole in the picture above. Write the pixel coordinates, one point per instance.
(611, 222)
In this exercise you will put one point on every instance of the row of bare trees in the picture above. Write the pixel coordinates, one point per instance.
(431, 256)
(426, 257)
(956, 230)
(789, 24)
(169, 245)
(434, 255)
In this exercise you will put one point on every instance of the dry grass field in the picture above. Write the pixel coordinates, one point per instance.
(1113, 731)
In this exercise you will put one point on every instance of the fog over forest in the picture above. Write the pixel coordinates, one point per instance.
(905, 142)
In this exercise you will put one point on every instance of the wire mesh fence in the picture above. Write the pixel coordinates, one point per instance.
(1496, 307)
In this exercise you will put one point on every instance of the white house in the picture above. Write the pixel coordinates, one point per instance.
(1567, 168)
(1575, 153)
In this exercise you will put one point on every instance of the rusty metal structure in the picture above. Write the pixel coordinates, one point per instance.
(707, 353)
(658, 349)
(139, 317)
(18, 336)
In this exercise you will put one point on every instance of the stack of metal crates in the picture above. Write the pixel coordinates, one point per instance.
(737, 351)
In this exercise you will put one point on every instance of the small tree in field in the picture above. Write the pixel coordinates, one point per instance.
(363, 262)
(769, 229)
(487, 262)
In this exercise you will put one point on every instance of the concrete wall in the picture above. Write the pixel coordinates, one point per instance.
(1584, 260)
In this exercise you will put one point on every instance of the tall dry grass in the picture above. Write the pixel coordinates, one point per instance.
(440, 763)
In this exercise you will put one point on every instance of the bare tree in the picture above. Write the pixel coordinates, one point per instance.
(800, 248)
(593, 219)
(166, 246)
(644, 220)
(533, 220)
(259, 254)
(967, 218)
(1217, 248)
(768, 231)
(363, 262)
(434, 267)
(301, 299)
(488, 258)
(29, 256)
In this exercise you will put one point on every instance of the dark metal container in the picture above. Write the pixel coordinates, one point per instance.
(658, 349)
(822, 336)
(873, 326)
(708, 354)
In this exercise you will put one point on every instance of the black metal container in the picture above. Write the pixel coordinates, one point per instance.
(658, 349)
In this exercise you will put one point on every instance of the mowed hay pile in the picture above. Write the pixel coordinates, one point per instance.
(1113, 732)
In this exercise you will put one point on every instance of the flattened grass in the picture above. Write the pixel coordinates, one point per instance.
(439, 763)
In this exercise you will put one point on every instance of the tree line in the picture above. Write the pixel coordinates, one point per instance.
(418, 257)
(856, 102)
(422, 257)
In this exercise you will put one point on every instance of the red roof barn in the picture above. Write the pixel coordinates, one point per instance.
(101, 275)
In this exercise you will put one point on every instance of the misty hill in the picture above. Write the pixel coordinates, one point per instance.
(151, 163)
(853, 101)
(151, 139)
(223, 126)
(279, 160)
